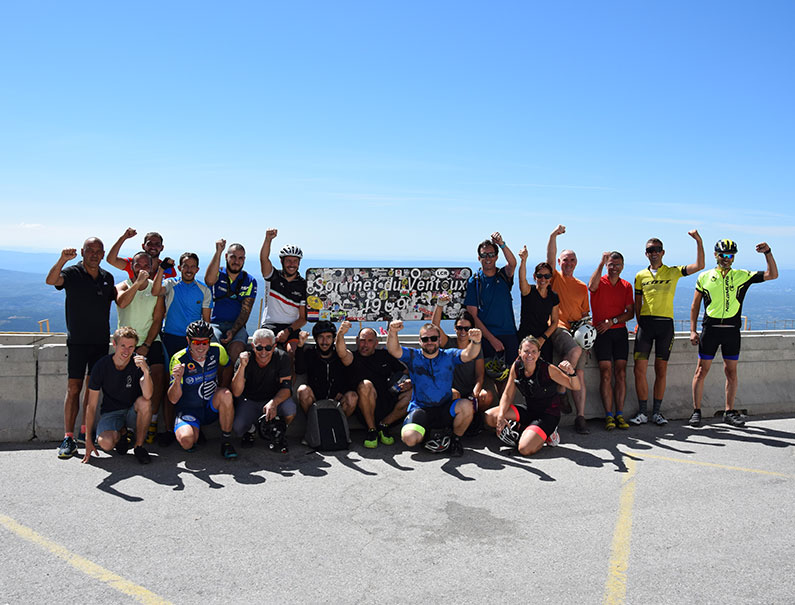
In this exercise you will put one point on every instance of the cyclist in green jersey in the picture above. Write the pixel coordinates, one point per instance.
(723, 289)
(654, 305)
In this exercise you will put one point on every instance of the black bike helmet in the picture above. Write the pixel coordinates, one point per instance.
(726, 246)
(199, 329)
(322, 327)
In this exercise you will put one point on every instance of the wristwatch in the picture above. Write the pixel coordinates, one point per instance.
(615, 320)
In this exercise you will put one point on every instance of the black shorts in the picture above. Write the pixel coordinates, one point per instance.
(278, 328)
(725, 337)
(424, 419)
(155, 356)
(81, 358)
(385, 400)
(547, 423)
(612, 345)
(657, 331)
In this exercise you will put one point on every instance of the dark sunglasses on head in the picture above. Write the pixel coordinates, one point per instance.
(652, 249)
(462, 328)
(543, 276)
(726, 256)
(488, 255)
(429, 338)
(200, 341)
(263, 347)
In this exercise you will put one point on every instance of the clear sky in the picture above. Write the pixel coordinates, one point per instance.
(399, 130)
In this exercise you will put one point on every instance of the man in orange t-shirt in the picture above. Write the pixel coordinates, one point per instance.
(573, 295)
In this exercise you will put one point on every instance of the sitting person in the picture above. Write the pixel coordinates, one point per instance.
(126, 398)
(194, 390)
(262, 387)
(530, 426)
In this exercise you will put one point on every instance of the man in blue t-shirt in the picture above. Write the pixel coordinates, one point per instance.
(234, 291)
(431, 371)
(488, 298)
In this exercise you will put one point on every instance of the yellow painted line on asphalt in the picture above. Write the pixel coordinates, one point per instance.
(616, 585)
(713, 465)
(139, 593)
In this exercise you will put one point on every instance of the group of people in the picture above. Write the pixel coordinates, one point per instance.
(438, 391)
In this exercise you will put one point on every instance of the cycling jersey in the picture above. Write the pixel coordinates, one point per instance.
(658, 290)
(724, 294)
(284, 298)
(200, 380)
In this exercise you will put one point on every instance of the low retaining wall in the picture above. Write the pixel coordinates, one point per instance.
(33, 382)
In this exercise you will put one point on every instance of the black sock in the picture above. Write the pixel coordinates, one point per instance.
(657, 405)
(642, 403)
(227, 435)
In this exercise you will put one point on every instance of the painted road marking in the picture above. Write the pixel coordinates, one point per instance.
(139, 593)
(616, 585)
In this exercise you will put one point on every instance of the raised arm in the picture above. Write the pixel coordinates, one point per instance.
(565, 375)
(524, 285)
(211, 274)
(441, 303)
(54, 277)
(265, 252)
(593, 283)
(771, 272)
(699, 264)
(113, 253)
(392, 341)
(239, 379)
(147, 387)
(510, 259)
(552, 245)
(473, 348)
(125, 294)
(346, 357)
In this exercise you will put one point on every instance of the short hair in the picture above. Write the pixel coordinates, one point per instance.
(143, 253)
(617, 254)
(152, 234)
(655, 241)
(530, 340)
(236, 246)
(488, 243)
(125, 332)
(186, 255)
(263, 333)
(544, 265)
(430, 326)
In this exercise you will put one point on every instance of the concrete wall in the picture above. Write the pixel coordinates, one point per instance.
(33, 382)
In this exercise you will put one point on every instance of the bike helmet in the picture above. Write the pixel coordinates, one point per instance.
(509, 435)
(438, 441)
(726, 246)
(322, 327)
(291, 250)
(585, 336)
(273, 431)
(497, 370)
(199, 329)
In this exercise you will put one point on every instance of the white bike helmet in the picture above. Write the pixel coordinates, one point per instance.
(585, 336)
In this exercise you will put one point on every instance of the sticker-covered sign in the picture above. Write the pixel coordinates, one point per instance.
(383, 293)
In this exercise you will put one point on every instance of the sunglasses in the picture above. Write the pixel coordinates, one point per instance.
(488, 255)
(543, 276)
(462, 328)
(429, 338)
(200, 341)
(652, 249)
(726, 256)
(263, 347)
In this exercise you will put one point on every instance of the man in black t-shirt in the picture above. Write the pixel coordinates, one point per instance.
(126, 398)
(262, 385)
(89, 292)
(373, 369)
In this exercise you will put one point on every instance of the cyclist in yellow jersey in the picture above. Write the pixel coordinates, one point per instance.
(723, 289)
(654, 304)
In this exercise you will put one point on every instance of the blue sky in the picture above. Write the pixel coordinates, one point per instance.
(405, 130)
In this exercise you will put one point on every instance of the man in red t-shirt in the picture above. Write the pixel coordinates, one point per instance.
(613, 304)
(153, 246)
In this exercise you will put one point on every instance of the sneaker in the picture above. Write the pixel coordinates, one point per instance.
(639, 418)
(141, 455)
(456, 447)
(695, 418)
(81, 438)
(371, 439)
(248, 440)
(166, 438)
(659, 419)
(580, 425)
(68, 448)
(125, 442)
(281, 446)
(151, 433)
(509, 435)
(621, 423)
(384, 436)
(734, 418)
(228, 450)
(553, 440)
(610, 424)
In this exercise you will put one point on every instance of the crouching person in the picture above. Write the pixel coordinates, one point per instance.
(263, 386)
(431, 372)
(531, 425)
(126, 398)
(194, 391)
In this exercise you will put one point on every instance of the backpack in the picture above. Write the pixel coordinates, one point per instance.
(327, 426)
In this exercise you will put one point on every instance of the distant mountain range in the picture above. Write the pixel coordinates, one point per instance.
(25, 298)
